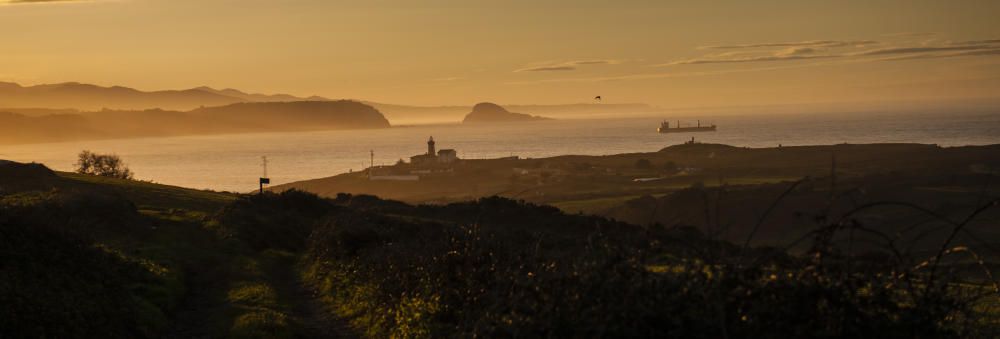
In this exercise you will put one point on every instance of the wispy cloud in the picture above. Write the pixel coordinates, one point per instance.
(748, 59)
(656, 75)
(593, 62)
(809, 43)
(802, 55)
(976, 42)
(547, 69)
(909, 34)
(981, 52)
(785, 55)
(26, 2)
(921, 49)
(567, 65)
(33, 1)
(837, 49)
(774, 52)
(797, 51)
(448, 79)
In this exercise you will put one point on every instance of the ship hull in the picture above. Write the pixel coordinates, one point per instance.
(686, 129)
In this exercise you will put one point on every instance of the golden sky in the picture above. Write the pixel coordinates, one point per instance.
(667, 53)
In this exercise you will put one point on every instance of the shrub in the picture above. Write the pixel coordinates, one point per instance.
(503, 268)
(544, 274)
(269, 220)
(671, 167)
(105, 165)
(643, 164)
(54, 284)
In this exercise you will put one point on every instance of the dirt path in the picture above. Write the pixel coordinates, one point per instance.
(195, 315)
(207, 310)
(203, 305)
(315, 319)
(200, 314)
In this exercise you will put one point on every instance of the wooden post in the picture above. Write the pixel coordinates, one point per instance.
(264, 179)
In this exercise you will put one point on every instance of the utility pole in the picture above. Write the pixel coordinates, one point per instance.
(372, 165)
(264, 179)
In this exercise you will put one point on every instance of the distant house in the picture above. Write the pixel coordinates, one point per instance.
(447, 156)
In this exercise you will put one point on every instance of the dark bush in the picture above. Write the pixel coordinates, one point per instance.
(55, 285)
(16, 177)
(81, 212)
(272, 220)
(643, 164)
(105, 165)
(523, 271)
(670, 167)
(502, 268)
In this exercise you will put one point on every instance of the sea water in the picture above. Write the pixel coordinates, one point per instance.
(233, 162)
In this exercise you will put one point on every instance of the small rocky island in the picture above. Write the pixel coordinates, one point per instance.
(490, 112)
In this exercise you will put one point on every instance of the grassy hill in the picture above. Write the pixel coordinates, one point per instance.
(111, 258)
(88, 256)
(593, 184)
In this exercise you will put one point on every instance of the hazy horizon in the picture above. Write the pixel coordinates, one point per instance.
(447, 53)
(918, 104)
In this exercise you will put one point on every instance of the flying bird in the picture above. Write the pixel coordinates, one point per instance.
(598, 98)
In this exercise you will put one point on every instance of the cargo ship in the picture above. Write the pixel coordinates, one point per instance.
(665, 128)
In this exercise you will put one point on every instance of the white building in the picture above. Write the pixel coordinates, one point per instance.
(447, 156)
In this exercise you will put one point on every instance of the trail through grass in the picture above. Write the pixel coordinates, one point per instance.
(228, 289)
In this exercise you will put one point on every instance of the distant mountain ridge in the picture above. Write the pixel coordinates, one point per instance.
(243, 117)
(75, 97)
(93, 97)
(258, 97)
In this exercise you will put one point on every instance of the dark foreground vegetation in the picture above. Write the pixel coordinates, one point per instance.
(86, 256)
(496, 267)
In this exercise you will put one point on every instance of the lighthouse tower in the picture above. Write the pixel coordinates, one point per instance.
(430, 146)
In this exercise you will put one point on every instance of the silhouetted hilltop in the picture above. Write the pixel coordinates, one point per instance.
(233, 118)
(93, 97)
(35, 112)
(490, 112)
(17, 128)
(15, 176)
(74, 97)
(341, 114)
(257, 97)
(407, 114)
